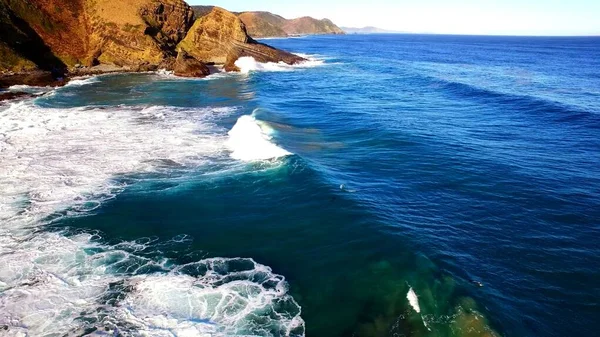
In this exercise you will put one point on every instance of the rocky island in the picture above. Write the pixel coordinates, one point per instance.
(42, 42)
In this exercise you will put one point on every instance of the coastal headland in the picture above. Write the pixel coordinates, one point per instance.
(46, 42)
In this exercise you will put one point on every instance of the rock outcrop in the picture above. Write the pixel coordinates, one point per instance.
(30, 36)
(136, 33)
(132, 35)
(188, 66)
(220, 37)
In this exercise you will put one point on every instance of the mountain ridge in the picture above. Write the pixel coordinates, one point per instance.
(368, 30)
(263, 24)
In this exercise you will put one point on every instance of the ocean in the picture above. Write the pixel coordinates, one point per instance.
(393, 185)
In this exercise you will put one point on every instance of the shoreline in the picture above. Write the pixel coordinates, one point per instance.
(43, 78)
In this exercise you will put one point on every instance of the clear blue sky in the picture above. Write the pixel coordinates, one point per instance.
(512, 17)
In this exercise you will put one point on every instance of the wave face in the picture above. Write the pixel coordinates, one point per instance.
(439, 186)
(66, 161)
(481, 152)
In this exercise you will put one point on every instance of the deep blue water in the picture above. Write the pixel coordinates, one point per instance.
(418, 163)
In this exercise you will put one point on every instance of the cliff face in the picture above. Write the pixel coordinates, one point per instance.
(90, 32)
(137, 34)
(43, 34)
(265, 24)
(220, 37)
(214, 36)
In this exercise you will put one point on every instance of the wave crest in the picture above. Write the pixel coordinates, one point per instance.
(248, 64)
(250, 140)
(65, 160)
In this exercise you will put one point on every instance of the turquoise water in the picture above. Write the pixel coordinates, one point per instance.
(394, 185)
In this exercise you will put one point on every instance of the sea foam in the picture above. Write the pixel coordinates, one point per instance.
(413, 300)
(65, 160)
(248, 64)
(81, 81)
(251, 140)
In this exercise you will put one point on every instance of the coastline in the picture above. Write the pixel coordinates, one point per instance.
(179, 42)
(41, 78)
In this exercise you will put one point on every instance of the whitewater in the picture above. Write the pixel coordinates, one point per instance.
(66, 162)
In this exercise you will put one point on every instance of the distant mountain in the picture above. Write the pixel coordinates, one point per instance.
(307, 25)
(266, 24)
(366, 30)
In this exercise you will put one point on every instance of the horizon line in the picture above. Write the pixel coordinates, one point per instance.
(392, 32)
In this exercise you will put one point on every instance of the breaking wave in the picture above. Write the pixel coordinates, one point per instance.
(250, 140)
(63, 162)
(248, 64)
(30, 89)
(81, 81)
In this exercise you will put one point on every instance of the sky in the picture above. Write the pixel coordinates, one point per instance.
(481, 17)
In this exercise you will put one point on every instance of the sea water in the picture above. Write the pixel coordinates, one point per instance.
(391, 185)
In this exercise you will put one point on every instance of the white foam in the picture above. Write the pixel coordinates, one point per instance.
(221, 302)
(30, 89)
(413, 300)
(216, 72)
(164, 72)
(81, 81)
(248, 64)
(50, 284)
(52, 157)
(251, 140)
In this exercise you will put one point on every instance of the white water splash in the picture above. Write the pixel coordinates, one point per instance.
(50, 284)
(248, 64)
(251, 140)
(81, 81)
(30, 89)
(413, 300)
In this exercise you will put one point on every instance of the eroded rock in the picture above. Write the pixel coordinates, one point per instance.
(220, 37)
(188, 66)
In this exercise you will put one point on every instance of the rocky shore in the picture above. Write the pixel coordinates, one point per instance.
(47, 42)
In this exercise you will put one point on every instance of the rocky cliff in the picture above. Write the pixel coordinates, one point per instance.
(139, 34)
(130, 35)
(266, 24)
(220, 37)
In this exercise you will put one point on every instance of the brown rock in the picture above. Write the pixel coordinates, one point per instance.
(220, 37)
(136, 32)
(124, 35)
(37, 78)
(187, 66)
(167, 21)
(6, 96)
